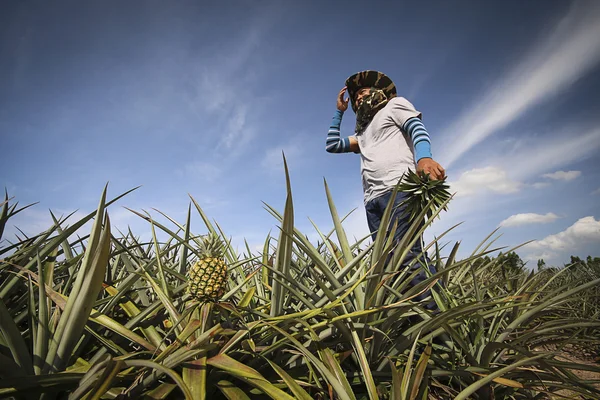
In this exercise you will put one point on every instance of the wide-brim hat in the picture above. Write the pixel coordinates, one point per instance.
(369, 78)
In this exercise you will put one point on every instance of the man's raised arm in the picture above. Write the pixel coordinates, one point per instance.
(335, 143)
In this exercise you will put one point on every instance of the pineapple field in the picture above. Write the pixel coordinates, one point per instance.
(107, 316)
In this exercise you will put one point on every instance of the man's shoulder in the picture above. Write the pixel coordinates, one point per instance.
(401, 108)
(398, 103)
(399, 100)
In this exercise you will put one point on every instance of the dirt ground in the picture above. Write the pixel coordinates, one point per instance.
(579, 357)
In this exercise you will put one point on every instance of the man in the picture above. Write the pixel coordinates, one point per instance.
(390, 138)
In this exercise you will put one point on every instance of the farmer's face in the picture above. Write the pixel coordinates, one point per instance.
(361, 94)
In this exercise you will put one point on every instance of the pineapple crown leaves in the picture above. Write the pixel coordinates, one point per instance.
(421, 190)
(211, 245)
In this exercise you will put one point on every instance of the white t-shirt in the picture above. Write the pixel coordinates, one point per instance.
(386, 151)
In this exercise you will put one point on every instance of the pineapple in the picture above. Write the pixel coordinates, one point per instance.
(420, 190)
(208, 276)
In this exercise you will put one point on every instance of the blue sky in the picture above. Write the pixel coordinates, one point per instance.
(187, 97)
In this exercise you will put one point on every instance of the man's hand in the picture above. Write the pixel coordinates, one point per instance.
(342, 104)
(428, 166)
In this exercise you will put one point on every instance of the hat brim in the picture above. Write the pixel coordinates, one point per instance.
(369, 78)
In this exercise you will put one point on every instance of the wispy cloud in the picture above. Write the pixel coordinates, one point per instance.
(595, 192)
(585, 230)
(563, 175)
(237, 132)
(555, 63)
(33, 221)
(528, 218)
(512, 174)
(225, 87)
(220, 82)
(553, 153)
(540, 185)
(509, 174)
(556, 176)
(479, 180)
(201, 170)
(273, 159)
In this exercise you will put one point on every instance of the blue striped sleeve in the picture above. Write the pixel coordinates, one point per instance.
(336, 144)
(419, 136)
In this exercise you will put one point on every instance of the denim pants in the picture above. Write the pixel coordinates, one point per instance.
(375, 209)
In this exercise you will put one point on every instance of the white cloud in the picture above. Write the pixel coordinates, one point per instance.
(538, 256)
(528, 218)
(555, 63)
(484, 179)
(597, 191)
(585, 230)
(563, 175)
(540, 185)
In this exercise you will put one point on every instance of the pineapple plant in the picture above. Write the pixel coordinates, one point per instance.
(207, 277)
(421, 190)
(318, 343)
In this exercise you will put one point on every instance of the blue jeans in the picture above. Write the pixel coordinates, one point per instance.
(375, 209)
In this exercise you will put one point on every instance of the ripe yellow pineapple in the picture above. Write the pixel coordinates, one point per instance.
(207, 278)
